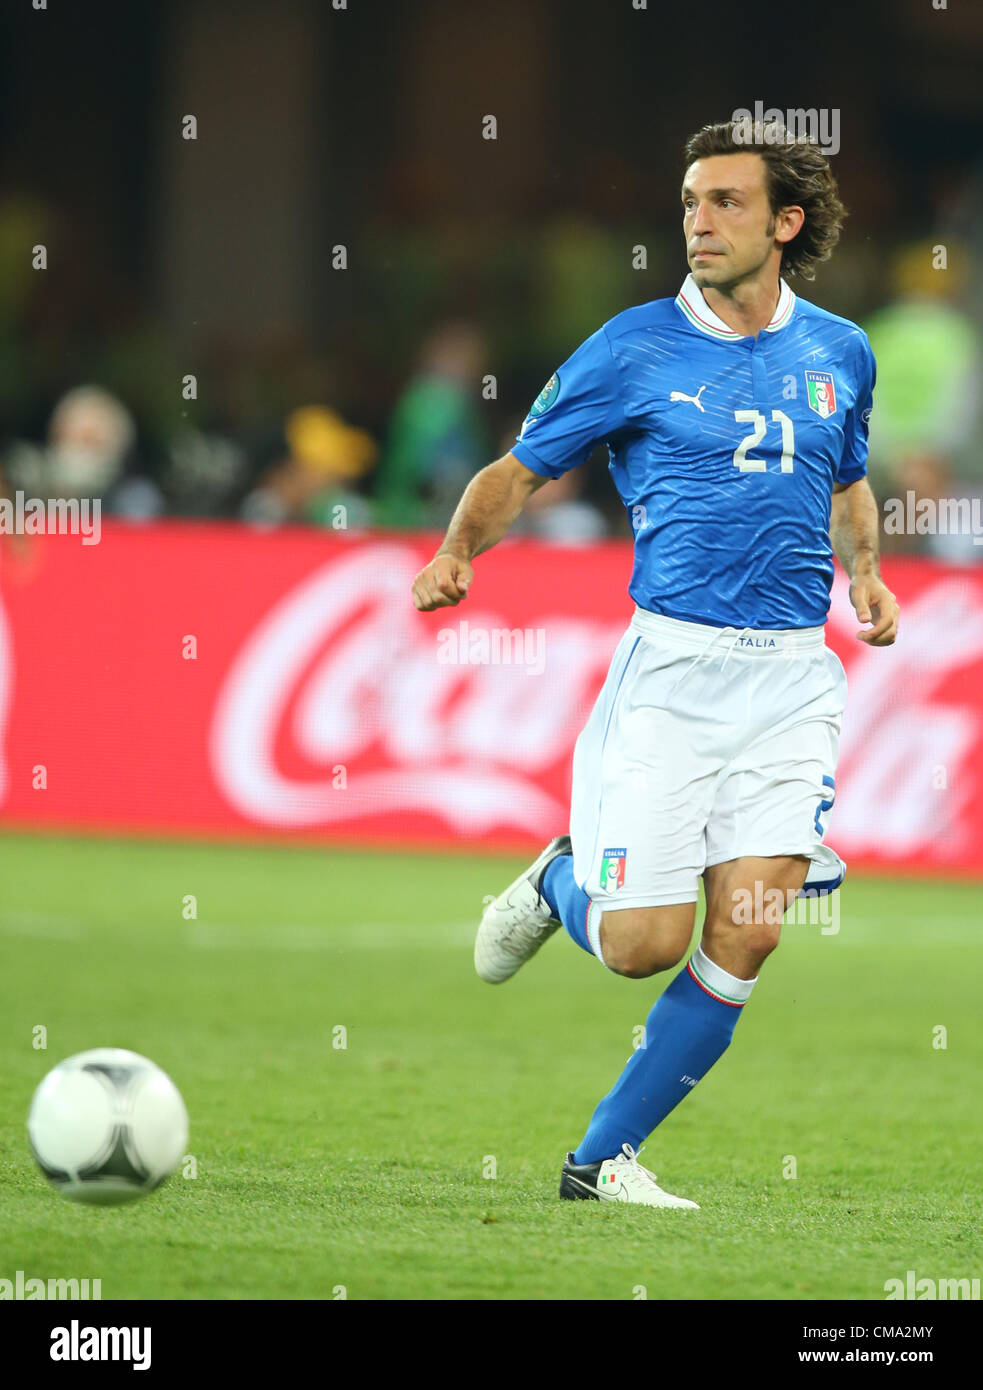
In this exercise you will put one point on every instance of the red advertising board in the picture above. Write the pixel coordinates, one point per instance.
(209, 679)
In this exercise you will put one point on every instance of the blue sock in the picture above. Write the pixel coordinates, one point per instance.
(689, 1027)
(568, 903)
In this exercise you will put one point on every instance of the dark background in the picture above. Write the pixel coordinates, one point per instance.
(362, 127)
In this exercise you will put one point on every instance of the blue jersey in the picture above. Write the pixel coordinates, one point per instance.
(724, 450)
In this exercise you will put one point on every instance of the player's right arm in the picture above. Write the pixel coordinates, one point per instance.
(578, 407)
(491, 502)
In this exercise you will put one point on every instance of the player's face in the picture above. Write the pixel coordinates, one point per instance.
(727, 219)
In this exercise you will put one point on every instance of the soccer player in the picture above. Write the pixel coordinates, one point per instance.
(735, 417)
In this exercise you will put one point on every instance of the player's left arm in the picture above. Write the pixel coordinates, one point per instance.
(853, 530)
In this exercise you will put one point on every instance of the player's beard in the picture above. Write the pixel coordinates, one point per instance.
(723, 275)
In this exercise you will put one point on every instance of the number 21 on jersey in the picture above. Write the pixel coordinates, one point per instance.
(748, 464)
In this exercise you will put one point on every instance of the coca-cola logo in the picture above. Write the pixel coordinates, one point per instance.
(343, 672)
(346, 672)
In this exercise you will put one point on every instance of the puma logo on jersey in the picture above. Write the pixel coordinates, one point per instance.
(693, 400)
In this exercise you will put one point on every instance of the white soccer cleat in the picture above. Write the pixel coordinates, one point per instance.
(516, 924)
(619, 1179)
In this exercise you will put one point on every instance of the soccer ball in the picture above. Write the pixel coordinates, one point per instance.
(107, 1126)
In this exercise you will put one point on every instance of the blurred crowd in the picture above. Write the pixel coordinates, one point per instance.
(368, 439)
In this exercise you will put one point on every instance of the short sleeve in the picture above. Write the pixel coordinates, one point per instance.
(579, 407)
(853, 464)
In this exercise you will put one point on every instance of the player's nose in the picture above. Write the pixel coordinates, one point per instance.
(701, 224)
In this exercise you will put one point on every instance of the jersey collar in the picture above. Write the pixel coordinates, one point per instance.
(697, 311)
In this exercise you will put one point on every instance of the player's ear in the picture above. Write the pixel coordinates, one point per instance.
(788, 223)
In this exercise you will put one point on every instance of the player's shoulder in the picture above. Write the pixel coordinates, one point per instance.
(832, 327)
(655, 313)
(616, 341)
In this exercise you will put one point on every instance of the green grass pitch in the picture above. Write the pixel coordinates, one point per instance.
(365, 1167)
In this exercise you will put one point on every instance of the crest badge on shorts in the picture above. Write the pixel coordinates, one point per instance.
(613, 869)
(822, 393)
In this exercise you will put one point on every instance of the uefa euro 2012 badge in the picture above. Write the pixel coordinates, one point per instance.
(546, 397)
(613, 869)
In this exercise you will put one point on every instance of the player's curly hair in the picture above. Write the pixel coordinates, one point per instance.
(797, 175)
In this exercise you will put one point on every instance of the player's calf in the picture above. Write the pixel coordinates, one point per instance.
(746, 903)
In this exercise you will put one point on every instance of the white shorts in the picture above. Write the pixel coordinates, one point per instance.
(705, 744)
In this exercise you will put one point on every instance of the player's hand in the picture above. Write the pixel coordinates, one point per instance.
(874, 603)
(442, 583)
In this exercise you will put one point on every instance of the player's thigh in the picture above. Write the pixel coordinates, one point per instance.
(773, 796)
(641, 941)
(644, 776)
(746, 901)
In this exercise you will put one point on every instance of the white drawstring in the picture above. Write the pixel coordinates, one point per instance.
(736, 632)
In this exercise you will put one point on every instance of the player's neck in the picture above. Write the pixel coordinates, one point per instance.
(747, 307)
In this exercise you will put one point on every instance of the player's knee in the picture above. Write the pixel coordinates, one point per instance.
(639, 943)
(756, 939)
(762, 939)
